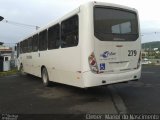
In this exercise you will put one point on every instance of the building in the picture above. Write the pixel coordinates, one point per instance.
(5, 57)
(5, 52)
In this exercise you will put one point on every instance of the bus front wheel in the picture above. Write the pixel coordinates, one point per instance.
(45, 77)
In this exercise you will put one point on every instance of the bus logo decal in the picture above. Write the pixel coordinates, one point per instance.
(106, 54)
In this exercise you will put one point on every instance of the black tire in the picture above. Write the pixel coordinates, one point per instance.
(45, 77)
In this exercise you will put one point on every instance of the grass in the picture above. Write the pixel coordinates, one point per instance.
(10, 72)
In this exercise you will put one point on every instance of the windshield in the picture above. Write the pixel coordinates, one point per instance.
(113, 24)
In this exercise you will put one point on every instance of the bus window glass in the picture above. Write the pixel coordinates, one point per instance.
(35, 43)
(54, 37)
(112, 24)
(30, 44)
(21, 47)
(69, 32)
(122, 28)
(25, 46)
(43, 40)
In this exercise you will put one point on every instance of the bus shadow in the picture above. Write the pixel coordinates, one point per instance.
(72, 99)
(69, 91)
(92, 92)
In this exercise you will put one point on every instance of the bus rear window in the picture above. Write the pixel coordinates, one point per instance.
(113, 24)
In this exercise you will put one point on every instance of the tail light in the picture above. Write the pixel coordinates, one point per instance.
(139, 61)
(93, 63)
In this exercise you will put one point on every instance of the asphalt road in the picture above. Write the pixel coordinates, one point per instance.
(26, 94)
(142, 96)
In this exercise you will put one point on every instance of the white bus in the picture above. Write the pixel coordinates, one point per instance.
(96, 44)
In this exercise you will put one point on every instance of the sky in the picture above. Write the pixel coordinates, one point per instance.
(41, 12)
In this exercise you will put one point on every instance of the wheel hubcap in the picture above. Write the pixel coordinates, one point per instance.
(45, 77)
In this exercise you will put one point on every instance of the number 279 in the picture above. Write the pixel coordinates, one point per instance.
(132, 52)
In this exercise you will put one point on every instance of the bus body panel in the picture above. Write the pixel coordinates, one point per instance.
(92, 79)
(118, 68)
(63, 64)
(87, 41)
(118, 58)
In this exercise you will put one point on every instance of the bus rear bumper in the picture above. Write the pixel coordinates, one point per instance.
(92, 79)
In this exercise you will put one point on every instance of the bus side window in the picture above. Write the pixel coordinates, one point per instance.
(69, 32)
(30, 40)
(43, 40)
(35, 43)
(21, 47)
(25, 46)
(54, 37)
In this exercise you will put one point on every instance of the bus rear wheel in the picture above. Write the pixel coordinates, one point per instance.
(45, 77)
